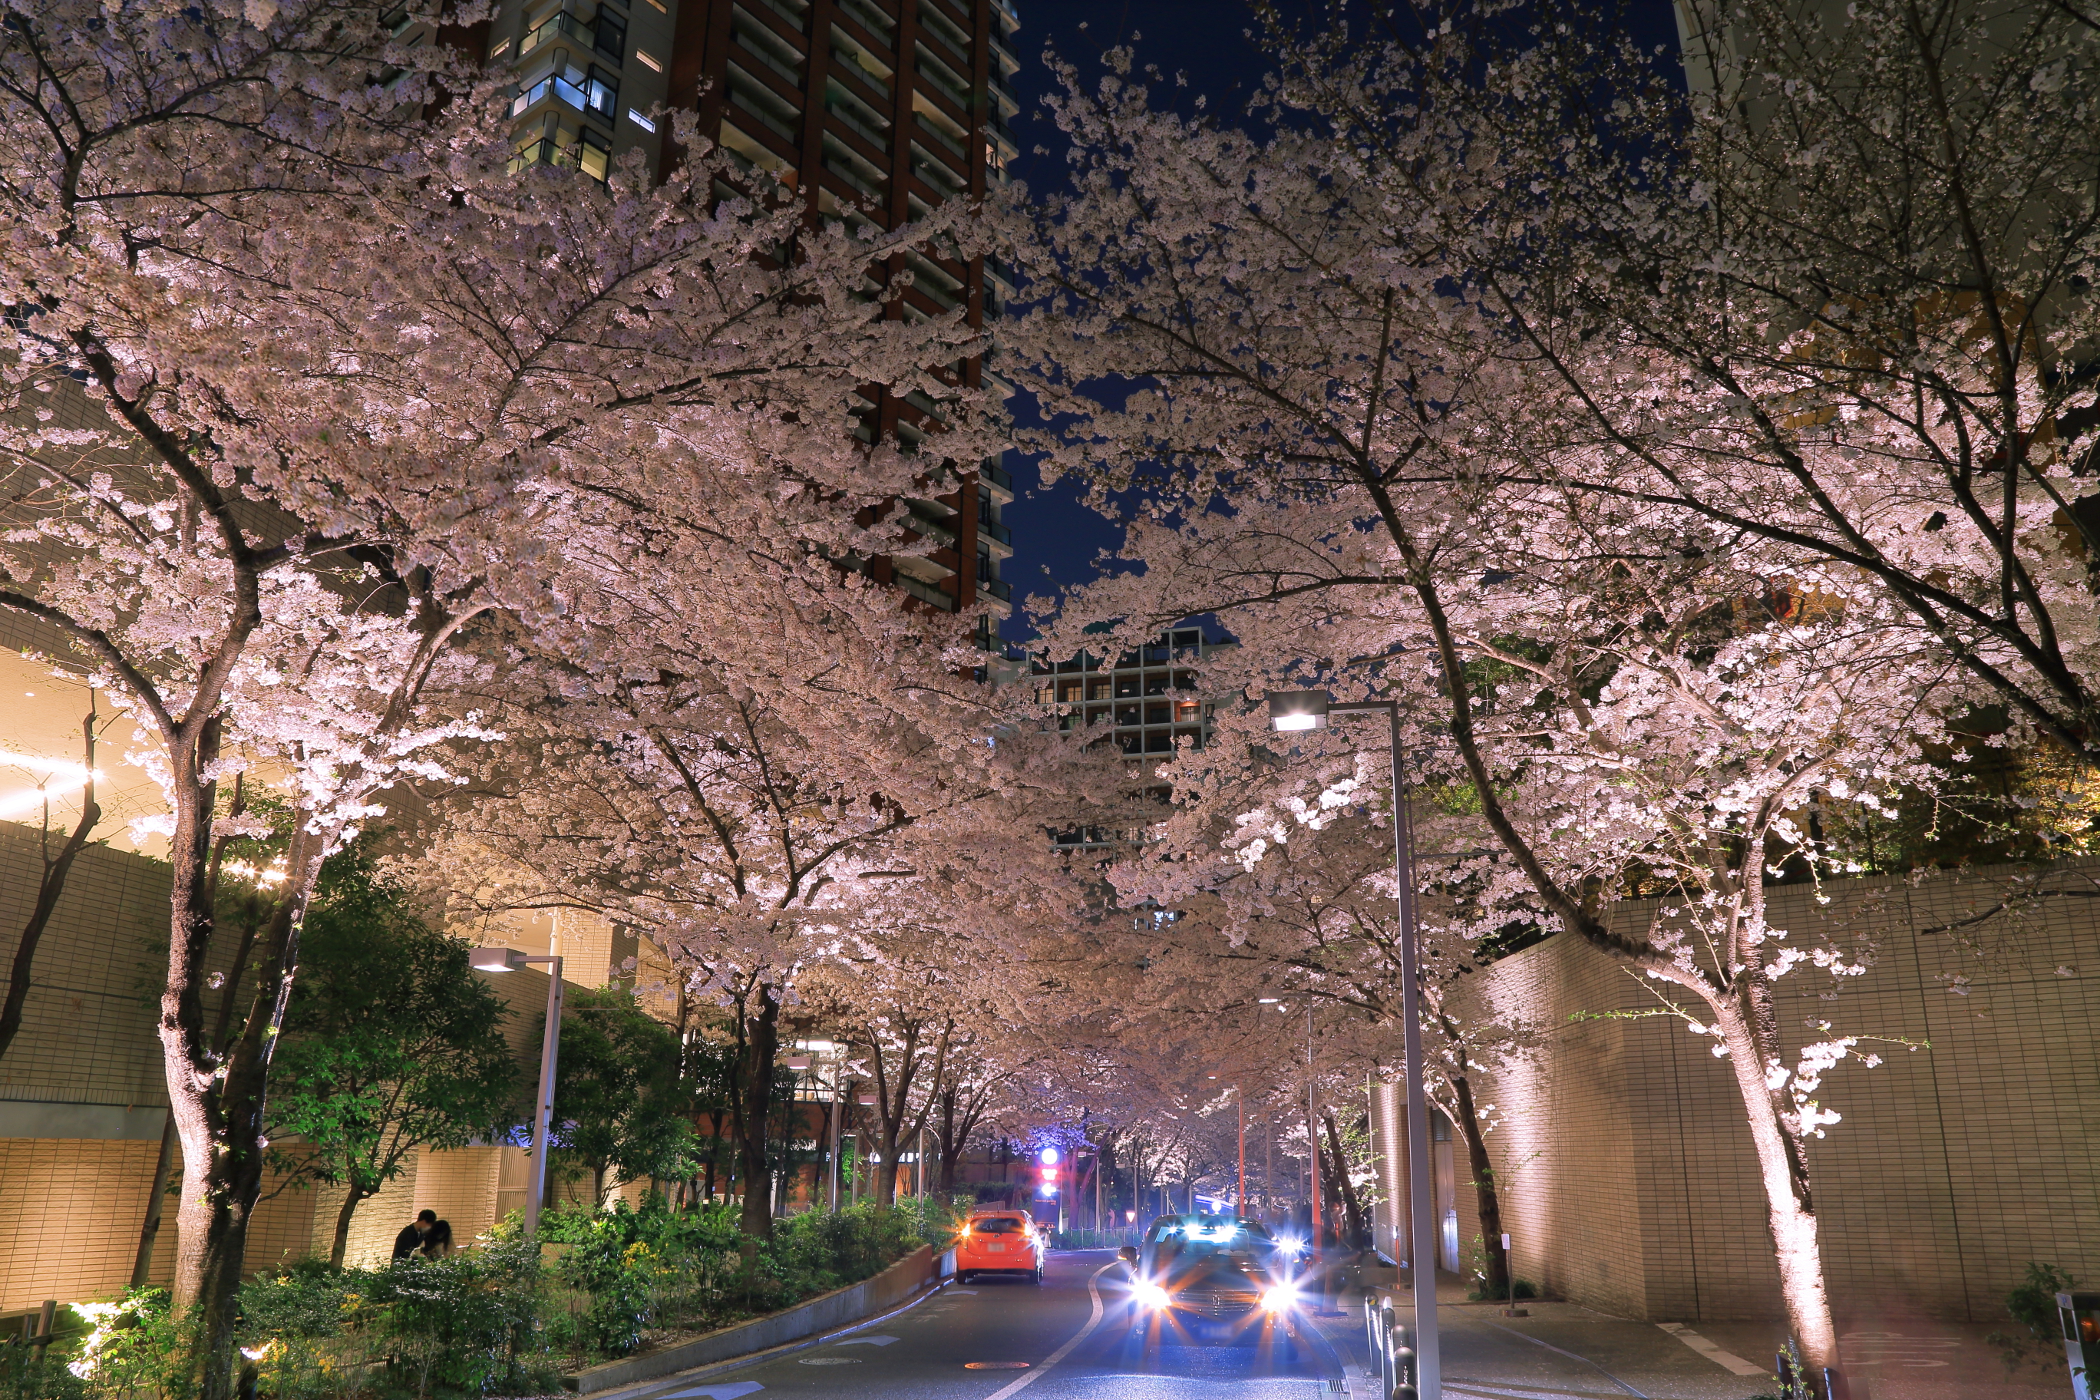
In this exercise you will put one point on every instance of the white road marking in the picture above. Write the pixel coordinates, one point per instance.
(728, 1390)
(829, 1361)
(1022, 1382)
(875, 1341)
(1726, 1360)
(971, 1291)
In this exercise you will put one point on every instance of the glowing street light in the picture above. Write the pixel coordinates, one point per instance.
(1295, 711)
(500, 959)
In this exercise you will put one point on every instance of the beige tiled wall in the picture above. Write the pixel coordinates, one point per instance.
(1954, 1165)
(87, 1029)
(70, 1213)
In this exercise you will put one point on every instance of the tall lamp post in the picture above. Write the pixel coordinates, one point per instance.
(499, 959)
(1294, 711)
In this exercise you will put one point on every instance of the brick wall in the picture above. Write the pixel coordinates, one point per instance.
(1634, 1188)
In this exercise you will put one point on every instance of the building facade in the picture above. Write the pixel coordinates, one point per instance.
(875, 111)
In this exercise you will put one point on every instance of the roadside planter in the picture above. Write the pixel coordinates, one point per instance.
(894, 1285)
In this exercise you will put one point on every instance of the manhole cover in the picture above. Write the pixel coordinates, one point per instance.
(995, 1365)
(831, 1361)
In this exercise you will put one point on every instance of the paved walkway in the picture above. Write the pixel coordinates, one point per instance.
(1566, 1350)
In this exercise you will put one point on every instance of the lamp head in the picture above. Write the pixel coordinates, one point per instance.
(495, 959)
(1292, 711)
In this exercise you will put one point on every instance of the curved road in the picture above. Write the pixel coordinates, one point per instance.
(963, 1343)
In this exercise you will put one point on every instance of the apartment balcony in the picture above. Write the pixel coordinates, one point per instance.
(592, 94)
(997, 480)
(607, 36)
(926, 593)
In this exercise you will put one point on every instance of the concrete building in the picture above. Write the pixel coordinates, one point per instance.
(875, 110)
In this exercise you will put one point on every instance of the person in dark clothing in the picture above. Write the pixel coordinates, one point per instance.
(412, 1237)
(438, 1243)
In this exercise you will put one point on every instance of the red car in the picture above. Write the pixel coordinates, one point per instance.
(999, 1243)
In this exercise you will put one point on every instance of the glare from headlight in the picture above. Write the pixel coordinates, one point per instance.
(1149, 1294)
(1279, 1298)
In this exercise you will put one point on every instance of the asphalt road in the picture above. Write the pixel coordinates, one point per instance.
(1066, 1339)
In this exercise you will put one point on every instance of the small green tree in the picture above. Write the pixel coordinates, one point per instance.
(618, 1104)
(391, 1042)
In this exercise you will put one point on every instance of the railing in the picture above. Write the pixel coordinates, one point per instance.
(791, 71)
(941, 136)
(995, 530)
(846, 173)
(796, 15)
(1097, 1239)
(561, 22)
(930, 525)
(997, 475)
(843, 115)
(926, 593)
(1002, 590)
(559, 86)
(589, 159)
(936, 174)
(944, 80)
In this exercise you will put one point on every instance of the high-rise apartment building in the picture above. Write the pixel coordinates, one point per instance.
(875, 110)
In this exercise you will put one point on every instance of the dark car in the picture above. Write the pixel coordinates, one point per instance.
(1211, 1278)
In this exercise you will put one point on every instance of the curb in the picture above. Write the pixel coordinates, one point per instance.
(634, 1375)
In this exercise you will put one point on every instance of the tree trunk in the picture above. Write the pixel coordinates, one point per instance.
(219, 1103)
(1485, 1196)
(156, 1200)
(886, 1169)
(755, 1099)
(1789, 1206)
(1351, 1220)
(341, 1244)
(951, 1153)
(48, 889)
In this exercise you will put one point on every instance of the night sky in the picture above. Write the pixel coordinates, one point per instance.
(1056, 538)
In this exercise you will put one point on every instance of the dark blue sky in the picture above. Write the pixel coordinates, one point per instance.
(1056, 538)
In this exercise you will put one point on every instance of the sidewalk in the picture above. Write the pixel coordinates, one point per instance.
(1566, 1350)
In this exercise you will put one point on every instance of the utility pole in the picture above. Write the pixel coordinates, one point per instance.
(1239, 1202)
(1312, 1126)
(832, 1186)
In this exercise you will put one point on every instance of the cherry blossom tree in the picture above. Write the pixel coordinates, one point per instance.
(1833, 298)
(831, 798)
(303, 385)
(1620, 701)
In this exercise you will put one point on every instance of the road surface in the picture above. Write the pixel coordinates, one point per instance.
(1065, 1339)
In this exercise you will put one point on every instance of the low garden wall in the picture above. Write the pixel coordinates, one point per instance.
(899, 1282)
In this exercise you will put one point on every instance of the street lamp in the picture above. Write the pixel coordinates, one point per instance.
(1294, 711)
(500, 959)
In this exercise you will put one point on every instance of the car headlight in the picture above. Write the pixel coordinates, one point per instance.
(1279, 1298)
(1149, 1294)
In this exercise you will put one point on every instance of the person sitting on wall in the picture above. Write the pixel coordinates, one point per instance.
(412, 1237)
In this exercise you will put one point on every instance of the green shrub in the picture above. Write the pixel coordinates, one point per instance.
(2032, 1304)
(135, 1349)
(28, 1373)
